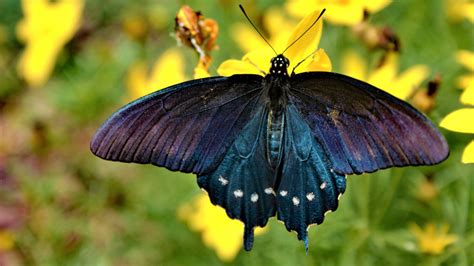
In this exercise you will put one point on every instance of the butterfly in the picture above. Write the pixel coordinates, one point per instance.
(280, 144)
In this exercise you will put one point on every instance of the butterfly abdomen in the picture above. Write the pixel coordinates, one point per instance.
(275, 128)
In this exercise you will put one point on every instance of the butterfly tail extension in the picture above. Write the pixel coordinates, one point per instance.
(248, 237)
(308, 187)
(241, 184)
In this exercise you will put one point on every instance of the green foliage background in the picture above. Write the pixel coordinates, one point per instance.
(85, 211)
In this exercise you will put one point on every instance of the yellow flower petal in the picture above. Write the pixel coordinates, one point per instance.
(350, 14)
(468, 12)
(354, 66)
(275, 22)
(465, 81)
(232, 66)
(167, 70)
(136, 80)
(345, 12)
(384, 76)
(409, 80)
(460, 121)
(320, 62)
(460, 9)
(260, 60)
(299, 8)
(377, 5)
(309, 42)
(200, 72)
(247, 38)
(466, 58)
(467, 97)
(37, 62)
(468, 154)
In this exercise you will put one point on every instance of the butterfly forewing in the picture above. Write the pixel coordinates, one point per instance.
(187, 127)
(361, 128)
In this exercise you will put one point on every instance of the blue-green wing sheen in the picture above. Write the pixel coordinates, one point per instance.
(308, 187)
(243, 182)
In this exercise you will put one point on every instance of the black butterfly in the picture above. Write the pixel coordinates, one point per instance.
(280, 144)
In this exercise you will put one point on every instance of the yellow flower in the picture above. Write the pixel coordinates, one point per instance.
(432, 241)
(345, 12)
(385, 77)
(167, 70)
(7, 240)
(460, 9)
(257, 61)
(218, 231)
(46, 27)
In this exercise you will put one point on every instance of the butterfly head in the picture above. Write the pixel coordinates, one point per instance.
(279, 65)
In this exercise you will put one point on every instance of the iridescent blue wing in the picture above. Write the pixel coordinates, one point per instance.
(243, 182)
(362, 128)
(307, 188)
(187, 127)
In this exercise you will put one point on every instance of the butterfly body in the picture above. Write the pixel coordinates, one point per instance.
(275, 132)
(274, 145)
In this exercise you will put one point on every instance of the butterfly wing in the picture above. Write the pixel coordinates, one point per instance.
(186, 127)
(362, 128)
(308, 188)
(243, 182)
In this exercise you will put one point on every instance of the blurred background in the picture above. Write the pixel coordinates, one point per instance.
(66, 65)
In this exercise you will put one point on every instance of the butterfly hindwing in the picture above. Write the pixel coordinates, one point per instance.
(362, 128)
(308, 188)
(187, 127)
(243, 182)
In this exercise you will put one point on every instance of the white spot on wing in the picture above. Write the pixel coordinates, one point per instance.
(296, 201)
(310, 196)
(238, 193)
(269, 191)
(223, 180)
(254, 197)
(323, 185)
(283, 193)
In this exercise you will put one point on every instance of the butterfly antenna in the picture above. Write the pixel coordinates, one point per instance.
(302, 34)
(245, 14)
